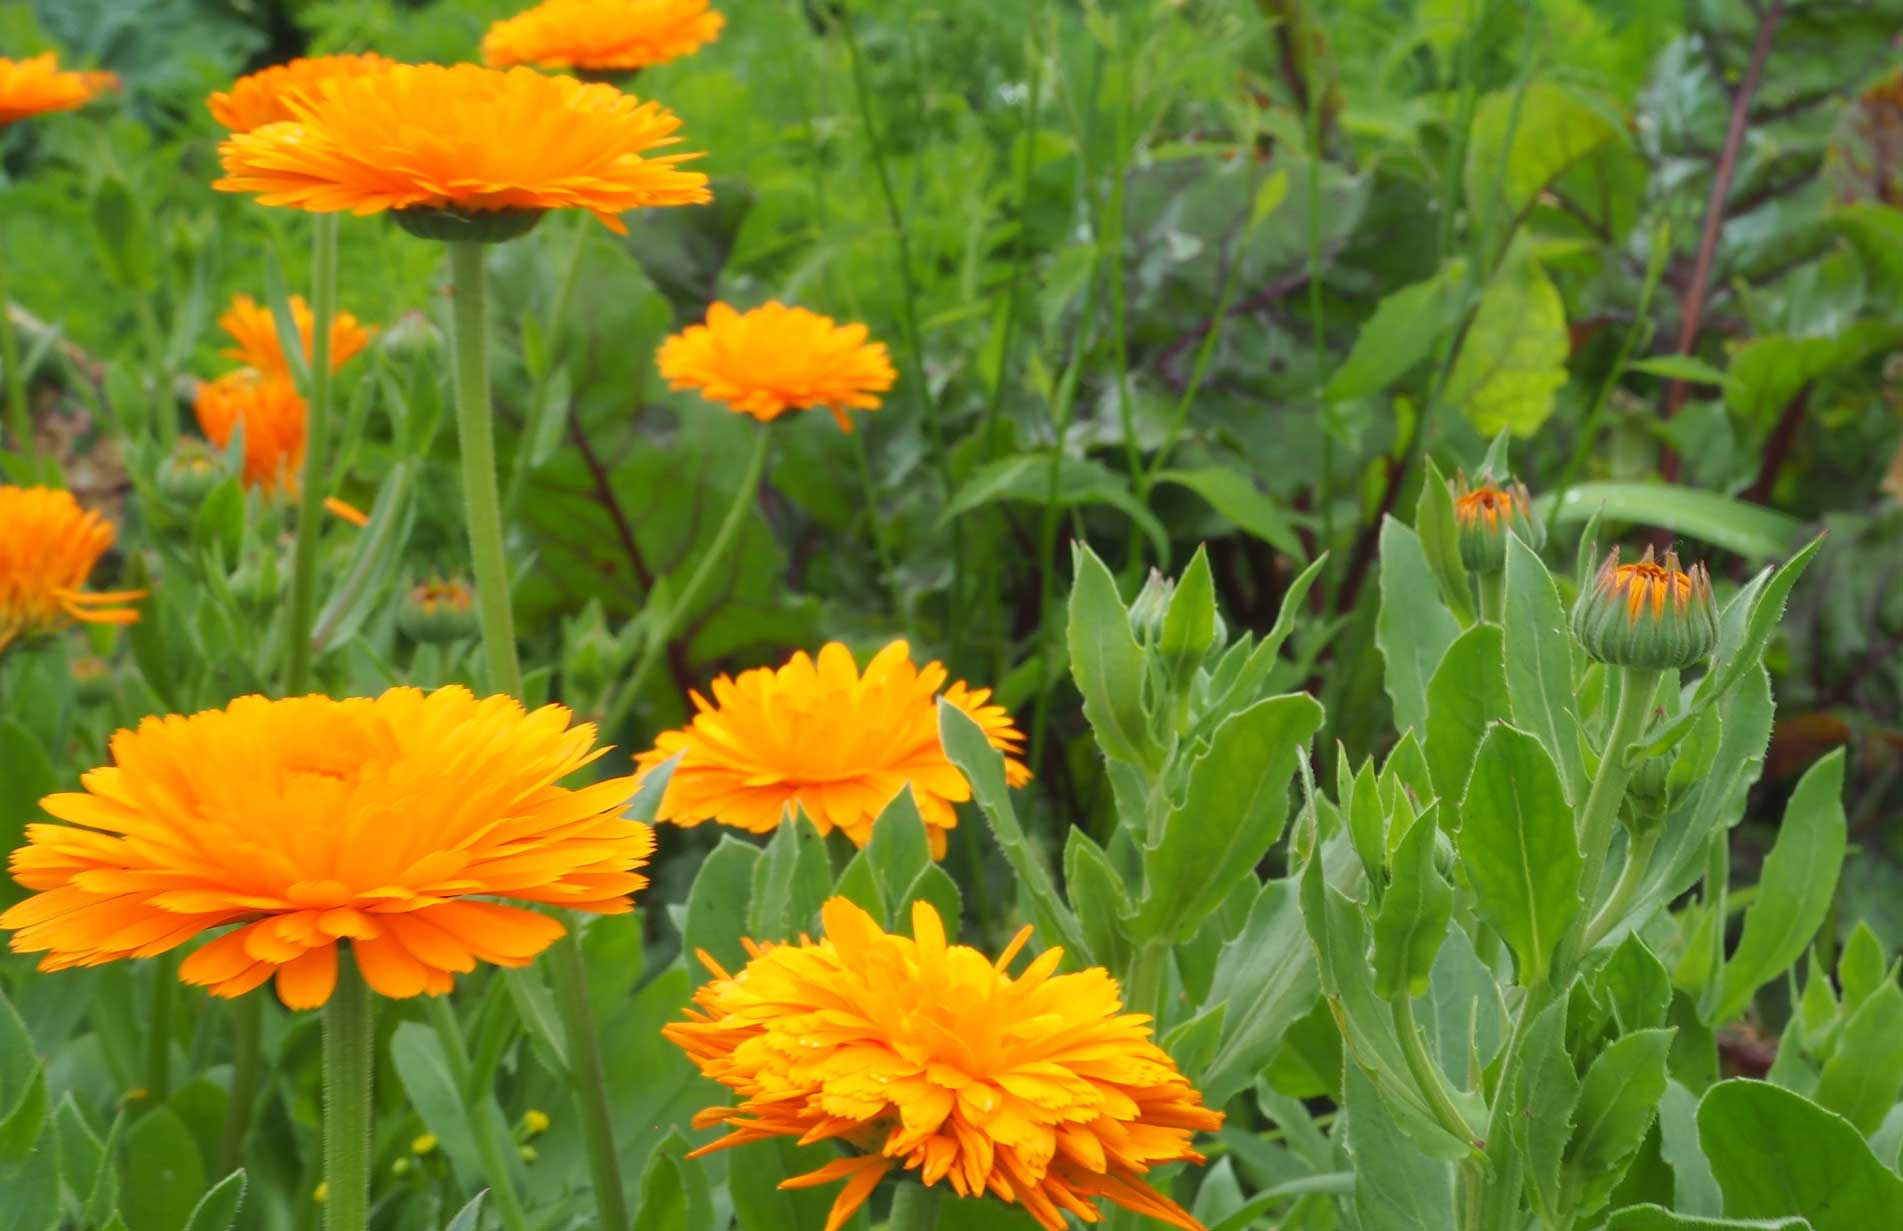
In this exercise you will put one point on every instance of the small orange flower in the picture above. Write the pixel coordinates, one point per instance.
(272, 413)
(775, 359)
(466, 139)
(1647, 615)
(819, 737)
(255, 332)
(602, 34)
(36, 85)
(263, 97)
(916, 1054)
(310, 821)
(48, 546)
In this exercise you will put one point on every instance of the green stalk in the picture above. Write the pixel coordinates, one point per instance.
(914, 1207)
(491, 1134)
(1325, 495)
(682, 604)
(1493, 604)
(1143, 990)
(247, 1021)
(475, 428)
(310, 507)
(349, 1057)
(1601, 810)
(19, 414)
(591, 1079)
(1638, 861)
(1427, 1075)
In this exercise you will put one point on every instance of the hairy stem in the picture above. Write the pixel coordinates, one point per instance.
(590, 1080)
(310, 506)
(1600, 812)
(348, 1060)
(914, 1208)
(1426, 1073)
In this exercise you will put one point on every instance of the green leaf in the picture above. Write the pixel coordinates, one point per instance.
(1467, 694)
(1189, 626)
(1235, 496)
(1795, 890)
(1766, 611)
(1096, 889)
(859, 885)
(935, 885)
(1767, 373)
(1440, 542)
(1679, 367)
(717, 907)
(1269, 197)
(22, 1119)
(1864, 1075)
(1540, 1107)
(983, 767)
(1518, 849)
(674, 1193)
(1750, 530)
(1413, 629)
(1512, 359)
(1777, 1154)
(164, 1174)
(1537, 645)
(1266, 976)
(1194, 1042)
(218, 1209)
(1634, 986)
(760, 1204)
(29, 777)
(1524, 139)
(1414, 912)
(1694, 1191)
(792, 878)
(1397, 1188)
(1108, 664)
(121, 236)
(646, 803)
(1233, 811)
(469, 1218)
(1617, 1100)
(423, 1068)
(1026, 478)
(1658, 1218)
(1405, 326)
(219, 523)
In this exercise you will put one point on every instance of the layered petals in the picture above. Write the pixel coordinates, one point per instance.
(48, 549)
(263, 97)
(254, 335)
(271, 413)
(602, 35)
(776, 359)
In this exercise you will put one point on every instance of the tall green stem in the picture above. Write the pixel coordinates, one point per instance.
(591, 1080)
(19, 414)
(1493, 596)
(349, 1057)
(914, 1208)
(475, 426)
(1427, 1075)
(310, 506)
(1601, 810)
(1638, 861)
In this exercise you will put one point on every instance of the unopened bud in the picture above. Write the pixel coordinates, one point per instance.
(1486, 514)
(1648, 615)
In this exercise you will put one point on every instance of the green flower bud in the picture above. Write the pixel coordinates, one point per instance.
(438, 611)
(1150, 606)
(92, 678)
(1652, 616)
(189, 474)
(1485, 514)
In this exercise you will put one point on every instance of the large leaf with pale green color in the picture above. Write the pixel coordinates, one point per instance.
(1266, 976)
(1776, 1154)
(1750, 530)
(1403, 329)
(1414, 627)
(1512, 359)
(1537, 644)
(1524, 139)
(1108, 664)
(1517, 847)
(1397, 1188)
(1466, 695)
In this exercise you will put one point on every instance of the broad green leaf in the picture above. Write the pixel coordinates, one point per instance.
(1440, 542)
(1235, 496)
(1522, 140)
(1537, 646)
(1750, 530)
(469, 1218)
(1189, 626)
(1467, 693)
(1397, 1188)
(935, 885)
(424, 1070)
(1795, 890)
(1233, 810)
(717, 907)
(1618, 1098)
(1100, 899)
(1367, 825)
(1777, 1154)
(1266, 976)
(535, 1010)
(29, 776)
(1693, 1188)
(1193, 1043)
(1634, 987)
(1027, 478)
(1269, 197)
(1405, 326)
(760, 1204)
(122, 236)
(1414, 628)
(1658, 1218)
(1512, 359)
(1864, 967)
(1518, 849)
(859, 885)
(1766, 373)
(1542, 1106)
(674, 1194)
(1864, 1075)
(792, 878)
(1108, 664)
(1679, 367)
(1414, 913)
(646, 803)
(164, 1173)
(218, 1209)
(22, 1119)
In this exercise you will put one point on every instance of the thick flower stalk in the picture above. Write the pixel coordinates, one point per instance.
(300, 824)
(931, 1059)
(48, 549)
(775, 359)
(602, 35)
(817, 736)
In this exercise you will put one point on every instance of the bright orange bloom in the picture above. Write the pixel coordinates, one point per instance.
(775, 359)
(36, 85)
(255, 331)
(819, 737)
(470, 139)
(272, 412)
(311, 821)
(48, 545)
(1038, 1089)
(602, 35)
(262, 97)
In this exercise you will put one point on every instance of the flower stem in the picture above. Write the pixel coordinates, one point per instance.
(1601, 810)
(590, 1080)
(19, 414)
(1493, 602)
(1149, 970)
(681, 605)
(1638, 861)
(475, 427)
(247, 1022)
(914, 1208)
(1427, 1075)
(310, 507)
(348, 1060)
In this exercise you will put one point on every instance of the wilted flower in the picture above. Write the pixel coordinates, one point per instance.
(387, 823)
(37, 85)
(254, 334)
(1486, 514)
(818, 737)
(438, 611)
(262, 97)
(1038, 1089)
(775, 359)
(602, 35)
(48, 549)
(1647, 615)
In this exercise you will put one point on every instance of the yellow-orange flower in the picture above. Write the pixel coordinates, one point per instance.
(468, 139)
(254, 333)
(48, 545)
(775, 359)
(36, 85)
(261, 98)
(613, 35)
(310, 821)
(819, 737)
(272, 413)
(1038, 1089)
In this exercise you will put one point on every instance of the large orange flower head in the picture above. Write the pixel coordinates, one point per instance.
(312, 821)
(36, 85)
(254, 334)
(472, 145)
(819, 737)
(263, 97)
(271, 412)
(602, 35)
(775, 359)
(1038, 1089)
(48, 546)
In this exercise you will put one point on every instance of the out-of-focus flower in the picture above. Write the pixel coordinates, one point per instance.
(438, 611)
(1647, 615)
(262, 97)
(817, 736)
(917, 1054)
(254, 335)
(775, 359)
(388, 823)
(188, 475)
(37, 85)
(48, 546)
(602, 35)
(272, 414)
(346, 511)
(1485, 514)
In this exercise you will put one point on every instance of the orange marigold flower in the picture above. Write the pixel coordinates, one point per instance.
(1038, 1089)
(466, 139)
(602, 34)
(255, 332)
(36, 85)
(272, 413)
(775, 359)
(261, 98)
(819, 737)
(48, 547)
(310, 821)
